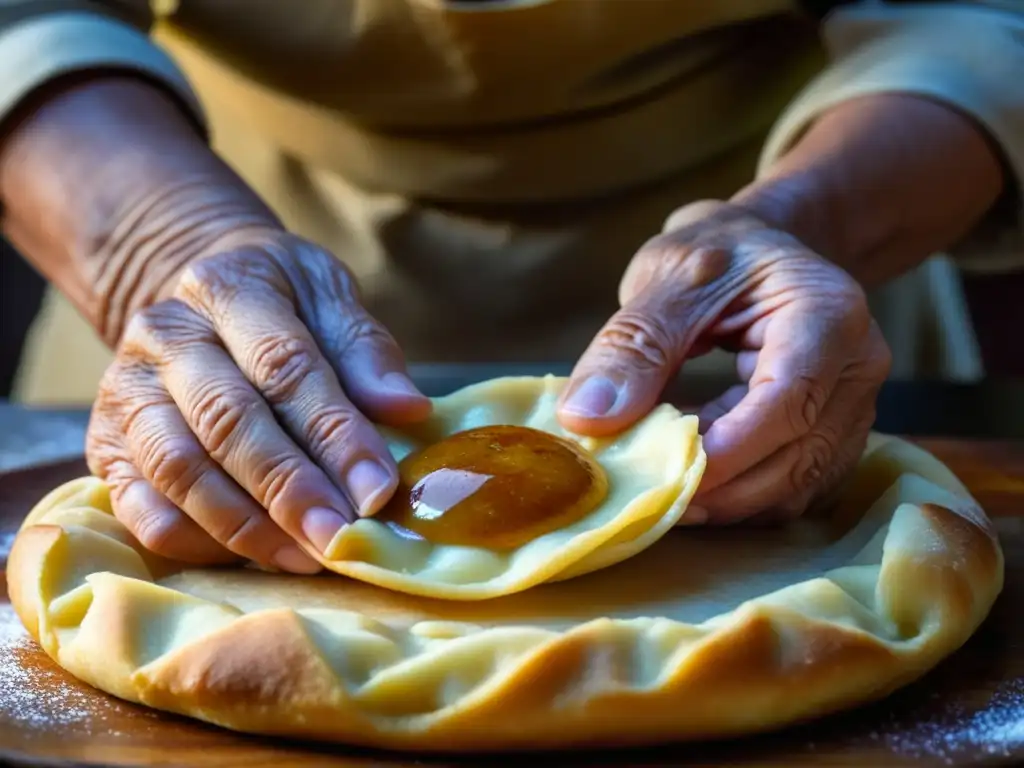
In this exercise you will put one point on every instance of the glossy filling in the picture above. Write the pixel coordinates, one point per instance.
(496, 487)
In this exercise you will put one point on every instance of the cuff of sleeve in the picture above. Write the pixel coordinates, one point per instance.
(967, 57)
(42, 48)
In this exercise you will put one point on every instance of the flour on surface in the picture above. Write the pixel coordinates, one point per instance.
(997, 729)
(40, 698)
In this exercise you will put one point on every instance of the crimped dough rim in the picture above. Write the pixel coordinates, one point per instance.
(84, 589)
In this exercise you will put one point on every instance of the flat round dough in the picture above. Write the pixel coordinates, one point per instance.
(706, 633)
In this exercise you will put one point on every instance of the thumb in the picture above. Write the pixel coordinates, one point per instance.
(623, 372)
(675, 288)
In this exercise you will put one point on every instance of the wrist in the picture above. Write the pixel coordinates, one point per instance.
(868, 184)
(799, 204)
(110, 190)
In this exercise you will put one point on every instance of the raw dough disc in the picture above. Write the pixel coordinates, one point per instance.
(653, 470)
(705, 634)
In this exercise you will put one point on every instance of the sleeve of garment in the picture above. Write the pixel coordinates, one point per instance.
(966, 54)
(41, 40)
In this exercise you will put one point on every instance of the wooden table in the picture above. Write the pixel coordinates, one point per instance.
(969, 711)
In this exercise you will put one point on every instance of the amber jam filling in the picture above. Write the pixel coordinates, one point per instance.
(495, 487)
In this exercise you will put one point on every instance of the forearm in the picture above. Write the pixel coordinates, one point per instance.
(109, 189)
(879, 183)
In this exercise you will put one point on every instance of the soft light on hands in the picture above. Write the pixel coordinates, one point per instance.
(238, 417)
(812, 358)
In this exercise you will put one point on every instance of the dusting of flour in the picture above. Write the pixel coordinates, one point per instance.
(43, 698)
(995, 730)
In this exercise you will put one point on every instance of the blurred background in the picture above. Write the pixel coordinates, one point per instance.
(21, 297)
(993, 303)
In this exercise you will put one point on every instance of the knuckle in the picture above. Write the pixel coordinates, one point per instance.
(218, 413)
(818, 452)
(827, 491)
(277, 476)
(641, 341)
(883, 362)
(246, 537)
(214, 281)
(109, 394)
(126, 380)
(208, 280)
(103, 451)
(364, 330)
(690, 265)
(141, 330)
(703, 266)
(155, 329)
(281, 365)
(879, 355)
(330, 426)
(862, 425)
(174, 465)
(660, 252)
(343, 283)
(692, 214)
(848, 300)
(157, 533)
(806, 400)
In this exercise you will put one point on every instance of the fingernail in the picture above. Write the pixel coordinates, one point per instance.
(694, 516)
(400, 384)
(366, 482)
(593, 398)
(291, 558)
(320, 525)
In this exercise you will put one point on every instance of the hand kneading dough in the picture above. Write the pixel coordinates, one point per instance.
(702, 634)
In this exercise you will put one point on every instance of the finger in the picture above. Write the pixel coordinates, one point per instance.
(282, 358)
(161, 527)
(372, 369)
(279, 357)
(783, 484)
(620, 376)
(810, 502)
(720, 406)
(176, 464)
(746, 363)
(363, 354)
(165, 451)
(623, 372)
(803, 353)
(238, 429)
(234, 425)
(147, 514)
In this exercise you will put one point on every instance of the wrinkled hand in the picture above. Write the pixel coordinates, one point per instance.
(234, 421)
(811, 355)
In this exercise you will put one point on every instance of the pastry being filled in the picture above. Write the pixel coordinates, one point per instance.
(526, 588)
(495, 497)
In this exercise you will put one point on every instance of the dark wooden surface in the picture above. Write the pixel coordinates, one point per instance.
(969, 711)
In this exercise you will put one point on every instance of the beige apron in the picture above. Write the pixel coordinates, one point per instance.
(488, 169)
